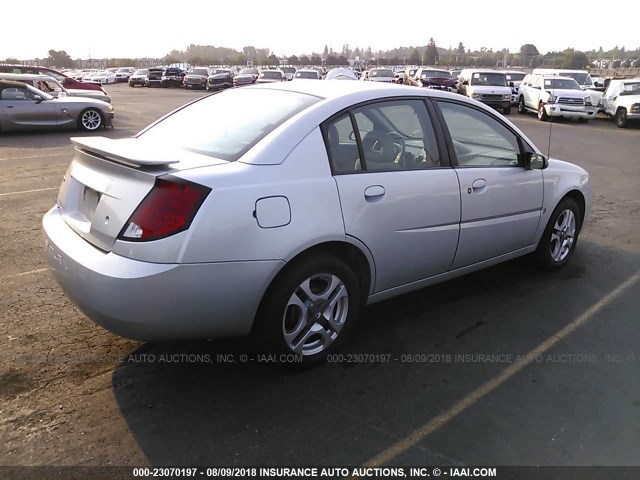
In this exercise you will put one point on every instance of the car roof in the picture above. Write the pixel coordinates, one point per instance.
(328, 90)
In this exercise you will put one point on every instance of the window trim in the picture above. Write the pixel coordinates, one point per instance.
(522, 144)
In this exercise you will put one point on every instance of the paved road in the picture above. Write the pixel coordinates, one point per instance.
(441, 375)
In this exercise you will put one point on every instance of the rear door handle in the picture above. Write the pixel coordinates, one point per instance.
(374, 192)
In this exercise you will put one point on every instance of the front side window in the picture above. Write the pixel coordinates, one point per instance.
(394, 135)
(479, 139)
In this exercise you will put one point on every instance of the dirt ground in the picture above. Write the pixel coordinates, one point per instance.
(72, 393)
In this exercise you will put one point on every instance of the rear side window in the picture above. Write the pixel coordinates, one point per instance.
(228, 124)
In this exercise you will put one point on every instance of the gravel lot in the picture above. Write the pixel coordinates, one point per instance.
(449, 389)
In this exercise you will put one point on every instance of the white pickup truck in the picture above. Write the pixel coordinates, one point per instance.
(621, 100)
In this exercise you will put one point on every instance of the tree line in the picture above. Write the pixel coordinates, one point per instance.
(429, 54)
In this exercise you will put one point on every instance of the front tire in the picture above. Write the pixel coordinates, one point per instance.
(90, 120)
(621, 118)
(309, 309)
(560, 236)
(542, 113)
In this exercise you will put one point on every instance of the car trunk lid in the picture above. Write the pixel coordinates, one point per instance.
(107, 180)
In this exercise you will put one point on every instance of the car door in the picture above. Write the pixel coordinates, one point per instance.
(501, 200)
(398, 195)
(22, 109)
(533, 92)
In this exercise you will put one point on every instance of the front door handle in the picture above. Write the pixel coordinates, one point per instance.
(479, 185)
(374, 192)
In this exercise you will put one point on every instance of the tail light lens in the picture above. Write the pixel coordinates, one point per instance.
(169, 208)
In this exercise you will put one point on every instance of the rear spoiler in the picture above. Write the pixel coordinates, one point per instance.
(128, 151)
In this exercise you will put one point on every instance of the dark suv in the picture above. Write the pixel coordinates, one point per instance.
(172, 77)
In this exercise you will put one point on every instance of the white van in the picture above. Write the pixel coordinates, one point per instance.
(486, 86)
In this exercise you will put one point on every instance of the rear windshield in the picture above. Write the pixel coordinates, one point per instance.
(248, 71)
(515, 77)
(288, 69)
(435, 74)
(313, 75)
(271, 74)
(228, 124)
(489, 79)
(144, 71)
(381, 73)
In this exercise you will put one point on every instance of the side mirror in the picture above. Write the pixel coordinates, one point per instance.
(37, 98)
(465, 82)
(535, 161)
(511, 84)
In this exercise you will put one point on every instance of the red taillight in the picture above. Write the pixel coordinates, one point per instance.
(167, 209)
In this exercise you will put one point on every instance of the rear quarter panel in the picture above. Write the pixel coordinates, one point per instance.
(226, 229)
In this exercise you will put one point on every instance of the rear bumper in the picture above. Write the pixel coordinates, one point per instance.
(150, 301)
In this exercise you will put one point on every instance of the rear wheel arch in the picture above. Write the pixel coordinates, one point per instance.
(348, 253)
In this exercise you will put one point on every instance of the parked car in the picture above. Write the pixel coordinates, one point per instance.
(555, 97)
(139, 77)
(433, 78)
(54, 88)
(23, 107)
(246, 76)
(101, 76)
(196, 77)
(218, 230)
(306, 74)
(271, 76)
(583, 77)
(154, 77)
(341, 74)
(172, 77)
(124, 73)
(514, 79)
(384, 75)
(621, 100)
(487, 86)
(220, 78)
(289, 72)
(66, 80)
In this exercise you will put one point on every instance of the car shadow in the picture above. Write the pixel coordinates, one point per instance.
(219, 402)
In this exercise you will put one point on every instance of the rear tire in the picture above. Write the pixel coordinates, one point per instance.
(560, 237)
(90, 120)
(309, 309)
(621, 118)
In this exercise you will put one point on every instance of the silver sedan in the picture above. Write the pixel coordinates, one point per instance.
(285, 222)
(23, 107)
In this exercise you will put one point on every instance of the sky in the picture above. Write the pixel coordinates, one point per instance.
(129, 29)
